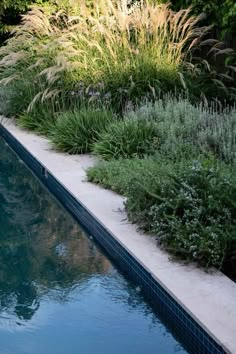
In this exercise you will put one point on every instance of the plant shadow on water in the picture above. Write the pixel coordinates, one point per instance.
(56, 287)
(37, 262)
(41, 247)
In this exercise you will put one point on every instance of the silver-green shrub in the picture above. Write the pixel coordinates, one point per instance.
(188, 129)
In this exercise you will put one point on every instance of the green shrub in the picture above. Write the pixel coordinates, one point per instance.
(10, 15)
(12, 10)
(117, 175)
(189, 207)
(191, 210)
(75, 131)
(126, 139)
(220, 13)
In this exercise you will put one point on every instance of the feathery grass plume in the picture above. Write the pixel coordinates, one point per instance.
(136, 53)
(111, 49)
(25, 55)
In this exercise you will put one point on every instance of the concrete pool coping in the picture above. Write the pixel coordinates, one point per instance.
(210, 299)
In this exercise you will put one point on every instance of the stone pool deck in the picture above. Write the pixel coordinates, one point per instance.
(209, 298)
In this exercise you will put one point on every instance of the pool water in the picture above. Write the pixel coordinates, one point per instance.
(58, 293)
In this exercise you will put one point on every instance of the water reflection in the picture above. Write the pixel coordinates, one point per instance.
(41, 247)
(58, 293)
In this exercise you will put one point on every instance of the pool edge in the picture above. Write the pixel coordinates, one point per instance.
(154, 291)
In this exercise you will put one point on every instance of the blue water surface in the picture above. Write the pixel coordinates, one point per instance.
(58, 293)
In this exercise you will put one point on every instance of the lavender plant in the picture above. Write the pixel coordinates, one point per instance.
(190, 130)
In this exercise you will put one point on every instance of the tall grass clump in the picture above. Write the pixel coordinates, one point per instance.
(75, 131)
(126, 139)
(24, 56)
(41, 119)
(114, 53)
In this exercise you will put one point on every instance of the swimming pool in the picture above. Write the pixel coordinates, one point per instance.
(59, 293)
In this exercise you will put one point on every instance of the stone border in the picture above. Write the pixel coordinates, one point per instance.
(199, 307)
